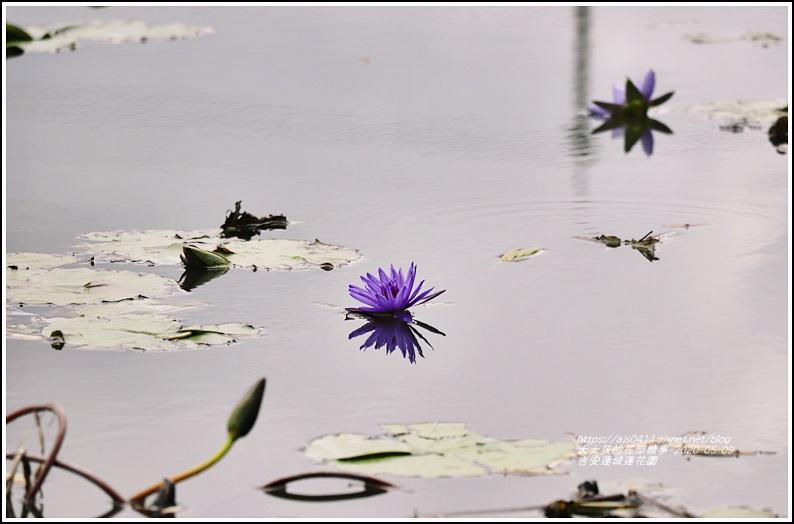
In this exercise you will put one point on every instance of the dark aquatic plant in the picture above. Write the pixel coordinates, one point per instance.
(390, 293)
(630, 102)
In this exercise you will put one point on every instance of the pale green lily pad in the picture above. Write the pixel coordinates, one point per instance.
(530, 456)
(521, 253)
(437, 430)
(445, 445)
(144, 331)
(739, 512)
(164, 247)
(423, 466)
(38, 260)
(277, 253)
(353, 445)
(394, 429)
(762, 39)
(437, 450)
(106, 309)
(753, 111)
(68, 36)
(154, 247)
(61, 287)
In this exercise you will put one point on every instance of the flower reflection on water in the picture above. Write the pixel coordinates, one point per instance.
(393, 333)
(633, 131)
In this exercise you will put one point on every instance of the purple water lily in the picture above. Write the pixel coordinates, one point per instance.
(390, 293)
(632, 101)
(619, 94)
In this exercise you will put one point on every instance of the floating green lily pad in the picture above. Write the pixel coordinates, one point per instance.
(349, 446)
(521, 253)
(739, 512)
(747, 112)
(762, 39)
(164, 247)
(54, 39)
(134, 306)
(38, 260)
(62, 287)
(437, 450)
(438, 430)
(278, 253)
(153, 247)
(145, 331)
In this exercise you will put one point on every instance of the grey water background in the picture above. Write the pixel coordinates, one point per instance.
(439, 135)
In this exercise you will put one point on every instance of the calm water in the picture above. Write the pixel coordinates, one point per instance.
(444, 136)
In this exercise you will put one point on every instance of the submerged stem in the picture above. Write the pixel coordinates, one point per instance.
(139, 497)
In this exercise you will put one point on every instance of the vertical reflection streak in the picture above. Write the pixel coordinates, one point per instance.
(579, 132)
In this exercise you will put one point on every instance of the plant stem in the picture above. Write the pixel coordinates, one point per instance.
(187, 474)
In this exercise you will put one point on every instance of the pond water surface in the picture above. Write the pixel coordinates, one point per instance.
(444, 137)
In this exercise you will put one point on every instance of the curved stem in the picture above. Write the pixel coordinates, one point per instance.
(56, 409)
(187, 474)
(117, 499)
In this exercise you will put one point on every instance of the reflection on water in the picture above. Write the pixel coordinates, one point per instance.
(393, 333)
(364, 487)
(633, 131)
(579, 132)
(194, 277)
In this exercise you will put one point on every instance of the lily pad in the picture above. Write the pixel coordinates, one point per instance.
(739, 512)
(145, 331)
(437, 430)
(349, 446)
(437, 450)
(38, 260)
(747, 113)
(68, 36)
(61, 286)
(762, 39)
(164, 247)
(521, 253)
(277, 253)
(152, 247)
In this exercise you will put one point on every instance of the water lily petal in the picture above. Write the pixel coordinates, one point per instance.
(424, 298)
(362, 296)
(619, 94)
(412, 299)
(598, 111)
(647, 142)
(648, 85)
